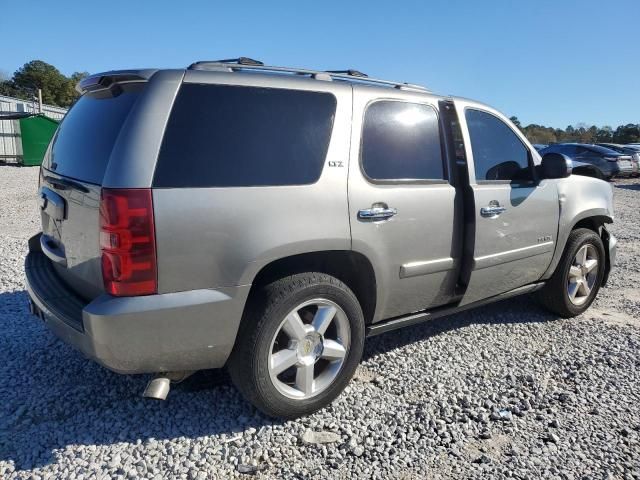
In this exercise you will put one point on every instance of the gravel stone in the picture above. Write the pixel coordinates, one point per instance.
(315, 438)
(426, 401)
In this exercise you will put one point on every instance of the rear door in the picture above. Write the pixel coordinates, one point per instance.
(70, 183)
(402, 207)
(516, 217)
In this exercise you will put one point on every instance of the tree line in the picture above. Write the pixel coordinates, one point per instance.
(57, 89)
(580, 133)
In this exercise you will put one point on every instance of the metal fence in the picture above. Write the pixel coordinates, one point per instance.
(10, 142)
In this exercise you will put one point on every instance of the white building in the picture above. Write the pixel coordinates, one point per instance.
(10, 144)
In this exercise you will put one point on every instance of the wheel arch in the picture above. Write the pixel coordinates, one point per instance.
(350, 267)
(594, 220)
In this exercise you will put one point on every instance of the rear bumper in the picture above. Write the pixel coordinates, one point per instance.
(189, 330)
(625, 170)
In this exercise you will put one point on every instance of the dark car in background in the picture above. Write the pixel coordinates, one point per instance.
(540, 146)
(594, 160)
(632, 150)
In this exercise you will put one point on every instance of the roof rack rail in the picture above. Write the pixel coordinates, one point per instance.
(351, 72)
(239, 61)
(248, 64)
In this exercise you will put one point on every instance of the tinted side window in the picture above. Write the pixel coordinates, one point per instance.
(228, 136)
(498, 153)
(401, 141)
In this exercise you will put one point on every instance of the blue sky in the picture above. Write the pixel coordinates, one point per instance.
(551, 62)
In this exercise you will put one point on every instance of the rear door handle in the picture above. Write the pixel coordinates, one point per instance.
(492, 210)
(377, 212)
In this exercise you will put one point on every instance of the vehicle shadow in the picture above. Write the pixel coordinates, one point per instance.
(635, 186)
(521, 309)
(51, 397)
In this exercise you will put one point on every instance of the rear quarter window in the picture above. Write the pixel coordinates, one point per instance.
(230, 136)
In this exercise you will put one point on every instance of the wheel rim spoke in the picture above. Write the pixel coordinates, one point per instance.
(573, 289)
(584, 289)
(304, 379)
(590, 264)
(323, 318)
(574, 272)
(282, 360)
(294, 327)
(333, 350)
(581, 257)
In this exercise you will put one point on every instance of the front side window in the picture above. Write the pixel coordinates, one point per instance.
(401, 141)
(498, 153)
(230, 136)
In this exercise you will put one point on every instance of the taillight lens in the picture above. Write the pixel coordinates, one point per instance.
(127, 242)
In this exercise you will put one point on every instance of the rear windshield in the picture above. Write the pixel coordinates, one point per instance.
(230, 136)
(82, 145)
(601, 150)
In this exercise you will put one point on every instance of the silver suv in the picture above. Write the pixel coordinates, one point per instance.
(270, 219)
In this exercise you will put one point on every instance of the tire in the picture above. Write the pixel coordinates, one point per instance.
(270, 332)
(556, 295)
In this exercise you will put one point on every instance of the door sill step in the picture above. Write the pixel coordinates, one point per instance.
(427, 315)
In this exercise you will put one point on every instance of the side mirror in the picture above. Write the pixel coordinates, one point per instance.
(555, 165)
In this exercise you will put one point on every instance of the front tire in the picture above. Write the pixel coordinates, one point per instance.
(300, 342)
(578, 277)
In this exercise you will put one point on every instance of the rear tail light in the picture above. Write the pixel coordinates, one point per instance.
(127, 242)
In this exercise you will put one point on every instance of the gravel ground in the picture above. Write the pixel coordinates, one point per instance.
(507, 390)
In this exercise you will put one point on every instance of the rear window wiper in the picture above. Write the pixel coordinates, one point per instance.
(64, 183)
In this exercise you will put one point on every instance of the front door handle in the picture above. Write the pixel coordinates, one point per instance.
(492, 210)
(378, 211)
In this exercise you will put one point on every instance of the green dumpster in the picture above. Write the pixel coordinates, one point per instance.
(36, 134)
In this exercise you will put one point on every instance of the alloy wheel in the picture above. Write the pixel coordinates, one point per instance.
(582, 274)
(309, 349)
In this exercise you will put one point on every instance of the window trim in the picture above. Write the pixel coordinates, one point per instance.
(257, 86)
(404, 181)
(534, 177)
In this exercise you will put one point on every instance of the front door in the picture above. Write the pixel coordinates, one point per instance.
(402, 207)
(516, 217)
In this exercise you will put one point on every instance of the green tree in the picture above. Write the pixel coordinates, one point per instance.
(72, 81)
(56, 88)
(516, 122)
(605, 134)
(629, 133)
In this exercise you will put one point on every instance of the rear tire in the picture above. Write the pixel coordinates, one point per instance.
(578, 277)
(299, 344)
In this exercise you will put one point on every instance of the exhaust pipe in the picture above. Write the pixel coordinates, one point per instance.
(158, 388)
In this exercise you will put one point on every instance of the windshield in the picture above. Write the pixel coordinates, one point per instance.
(83, 143)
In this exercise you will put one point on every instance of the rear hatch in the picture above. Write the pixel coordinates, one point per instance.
(70, 184)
